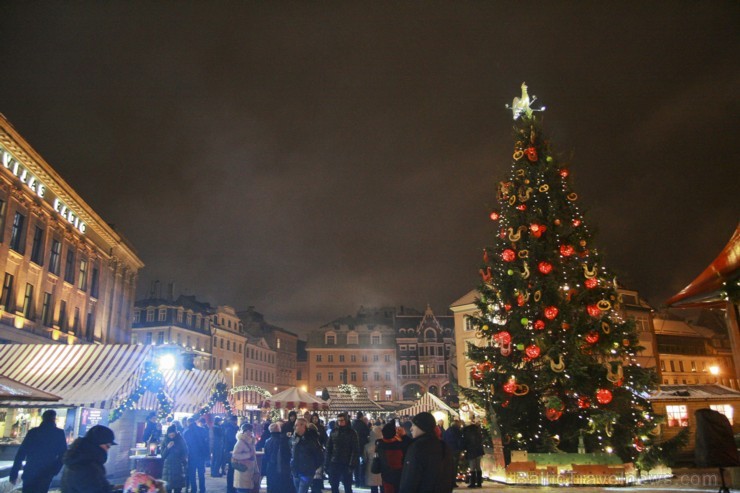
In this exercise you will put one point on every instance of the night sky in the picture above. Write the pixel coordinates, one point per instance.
(307, 158)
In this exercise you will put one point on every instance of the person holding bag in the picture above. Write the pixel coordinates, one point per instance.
(372, 478)
(244, 461)
(175, 456)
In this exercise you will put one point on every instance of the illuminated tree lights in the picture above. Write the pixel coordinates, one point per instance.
(152, 381)
(558, 358)
(220, 394)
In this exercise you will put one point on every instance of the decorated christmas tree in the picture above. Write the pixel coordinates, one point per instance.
(557, 363)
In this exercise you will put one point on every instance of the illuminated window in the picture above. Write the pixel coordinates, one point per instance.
(677, 416)
(662, 365)
(82, 275)
(278, 343)
(18, 233)
(725, 409)
(469, 324)
(28, 301)
(7, 294)
(55, 255)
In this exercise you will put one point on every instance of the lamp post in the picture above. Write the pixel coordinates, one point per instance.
(232, 369)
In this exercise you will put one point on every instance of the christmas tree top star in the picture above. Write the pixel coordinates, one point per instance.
(522, 105)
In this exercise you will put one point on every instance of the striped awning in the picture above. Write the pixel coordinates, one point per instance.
(82, 375)
(294, 398)
(23, 395)
(192, 389)
(428, 403)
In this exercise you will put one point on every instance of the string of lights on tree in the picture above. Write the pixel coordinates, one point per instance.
(152, 380)
(220, 394)
(557, 360)
(349, 389)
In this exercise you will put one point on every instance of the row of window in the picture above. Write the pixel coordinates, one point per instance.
(352, 376)
(227, 323)
(160, 340)
(18, 244)
(330, 338)
(694, 367)
(678, 416)
(352, 358)
(201, 323)
(7, 300)
(229, 345)
(423, 369)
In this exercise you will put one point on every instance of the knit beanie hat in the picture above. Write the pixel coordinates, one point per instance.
(389, 430)
(171, 429)
(425, 422)
(99, 435)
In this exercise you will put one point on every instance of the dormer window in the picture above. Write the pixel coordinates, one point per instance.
(375, 338)
(352, 338)
(330, 338)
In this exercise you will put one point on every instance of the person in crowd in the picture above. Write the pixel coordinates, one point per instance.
(440, 428)
(196, 439)
(454, 440)
(230, 429)
(152, 430)
(308, 455)
(287, 427)
(403, 436)
(42, 449)
(276, 461)
(427, 466)
(391, 452)
(363, 433)
(244, 453)
(406, 423)
(342, 454)
(175, 457)
(217, 449)
(84, 462)
(372, 480)
(316, 420)
(317, 485)
(473, 446)
(263, 436)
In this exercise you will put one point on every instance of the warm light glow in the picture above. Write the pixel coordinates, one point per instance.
(167, 362)
(714, 370)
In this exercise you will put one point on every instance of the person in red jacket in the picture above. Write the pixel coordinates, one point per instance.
(391, 451)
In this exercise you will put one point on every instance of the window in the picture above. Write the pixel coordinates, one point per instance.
(318, 377)
(353, 376)
(18, 233)
(662, 365)
(677, 416)
(412, 348)
(63, 315)
(440, 369)
(364, 376)
(94, 282)
(387, 358)
(28, 301)
(364, 358)
(353, 358)
(693, 366)
(3, 206)
(46, 310)
(160, 338)
(469, 324)
(330, 376)
(725, 409)
(387, 376)
(161, 314)
(330, 358)
(150, 315)
(69, 274)
(189, 319)
(55, 255)
(278, 343)
(352, 338)
(76, 321)
(37, 256)
(82, 278)
(228, 345)
(330, 338)
(6, 298)
(404, 369)
(179, 316)
(376, 376)
(341, 358)
(680, 365)
(673, 366)
(376, 358)
(375, 338)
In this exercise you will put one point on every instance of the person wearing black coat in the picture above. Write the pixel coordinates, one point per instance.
(196, 439)
(84, 469)
(427, 466)
(217, 449)
(473, 446)
(276, 461)
(42, 449)
(175, 457)
(454, 439)
(342, 455)
(308, 455)
(363, 432)
(230, 429)
(152, 430)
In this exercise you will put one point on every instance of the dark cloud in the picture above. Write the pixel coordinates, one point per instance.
(307, 158)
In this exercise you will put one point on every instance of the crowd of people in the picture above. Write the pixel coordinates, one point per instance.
(409, 455)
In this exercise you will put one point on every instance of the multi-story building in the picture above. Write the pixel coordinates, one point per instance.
(635, 308)
(282, 341)
(426, 350)
(181, 327)
(358, 350)
(462, 310)
(227, 353)
(301, 369)
(260, 370)
(68, 276)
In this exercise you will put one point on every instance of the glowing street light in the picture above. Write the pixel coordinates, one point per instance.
(167, 362)
(714, 370)
(232, 369)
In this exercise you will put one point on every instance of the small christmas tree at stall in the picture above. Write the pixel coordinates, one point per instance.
(558, 362)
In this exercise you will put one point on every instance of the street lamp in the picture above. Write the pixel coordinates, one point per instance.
(232, 369)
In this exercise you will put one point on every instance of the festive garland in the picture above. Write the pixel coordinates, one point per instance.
(251, 388)
(220, 394)
(348, 388)
(151, 381)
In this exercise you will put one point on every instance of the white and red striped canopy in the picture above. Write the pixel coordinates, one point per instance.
(295, 398)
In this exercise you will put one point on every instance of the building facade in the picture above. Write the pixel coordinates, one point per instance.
(260, 370)
(284, 342)
(68, 276)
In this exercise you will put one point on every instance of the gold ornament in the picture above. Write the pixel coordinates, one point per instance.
(518, 155)
(514, 237)
(590, 274)
(558, 367)
(537, 295)
(512, 200)
(572, 196)
(521, 390)
(520, 173)
(609, 429)
(605, 327)
(604, 305)
(525, 193)
(544, 188)
(612, 376)
(525, 273)
(523, 254)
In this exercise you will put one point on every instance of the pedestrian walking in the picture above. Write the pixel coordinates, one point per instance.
(317, 485)
(217, 449)
(473, 446)
(454, 440)
(196, 439)
(427, 466)
(175, 457)
(276, 461)
(244, 457)
(373, 481)
(308, 455)
(230, 431)
(363, 432)
(342, 454)
(391, 451)
(84, 462)
(42, 450)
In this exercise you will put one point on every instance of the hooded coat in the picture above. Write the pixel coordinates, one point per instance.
(175, 458)
(245, 453)
(84, 470)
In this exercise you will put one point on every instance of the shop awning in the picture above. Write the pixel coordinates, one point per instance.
(192, 389)
(294, 398)
(428, 403)
(345, 401)
(82, 375)
(22, 395)
(718, 281)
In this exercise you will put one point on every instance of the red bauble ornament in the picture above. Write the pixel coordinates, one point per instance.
(565, 326)
(553, 414)
(510, 386)
(502, 337)
(604, 396)
(576, 222)
(508, 255)
(539, 324)
(551, 312)
(495, 216)
(591, 283)
(544, 267)
(537, 229)
(593, 310)
(476, 374)
(532, 351)
(520, 300)
(564, 172)
(486, 258)
(584, 402)
(639, 445)
(502, 234)
(521, 207)
(592, 337)
(566, 250)
(531, 153)
(507, 307)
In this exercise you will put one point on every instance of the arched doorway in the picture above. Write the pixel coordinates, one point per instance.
(412, 391)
